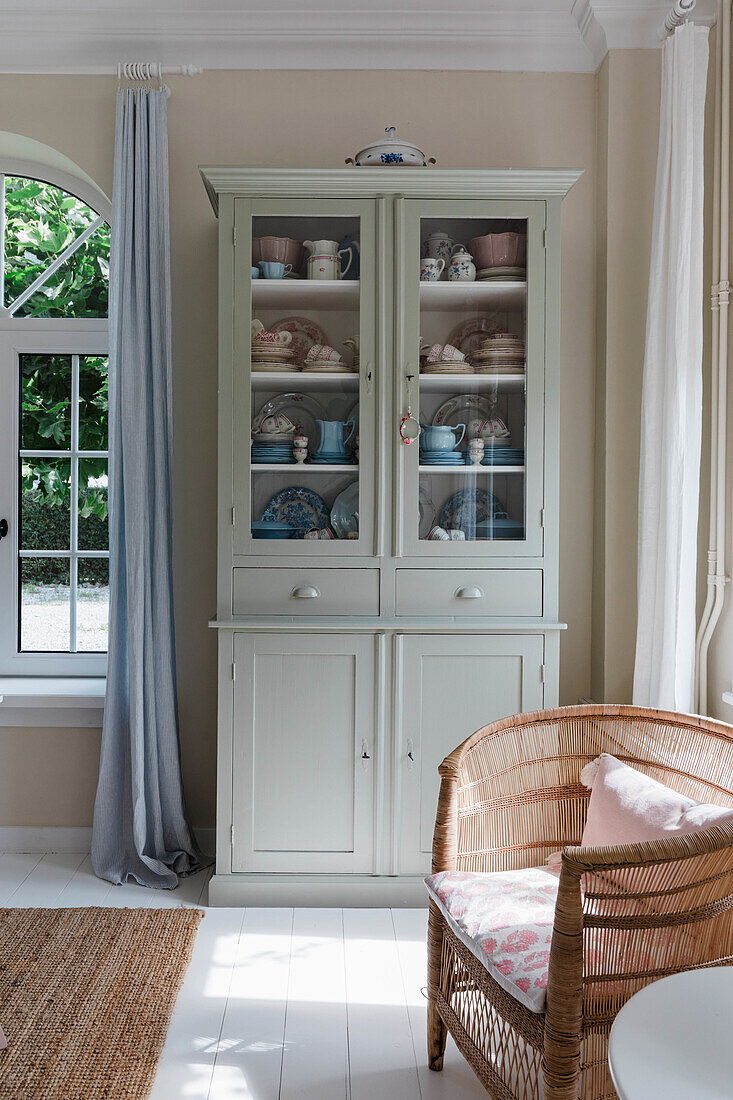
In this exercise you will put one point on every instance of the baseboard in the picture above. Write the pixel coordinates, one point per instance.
(31, 838)
(319, 891)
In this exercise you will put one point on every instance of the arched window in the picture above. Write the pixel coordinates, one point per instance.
(54, 560)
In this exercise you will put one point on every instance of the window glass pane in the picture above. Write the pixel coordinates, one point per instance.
(44, 605)
(45, 503)
(79, 288)
(40, 222)
(45, 390)
(93, 533)
(92, 605)
(93, 403)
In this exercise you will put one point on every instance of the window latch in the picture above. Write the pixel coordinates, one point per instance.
(3, 528)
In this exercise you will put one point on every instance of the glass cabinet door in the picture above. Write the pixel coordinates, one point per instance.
(304, 377)
(472, 377)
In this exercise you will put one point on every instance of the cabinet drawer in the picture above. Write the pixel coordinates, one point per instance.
(306, 592)
(469, 592)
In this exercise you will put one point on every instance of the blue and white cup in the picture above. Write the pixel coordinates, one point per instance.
(273, 270)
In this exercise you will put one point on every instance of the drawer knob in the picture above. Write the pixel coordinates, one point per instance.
(305, 592)
(469, 592)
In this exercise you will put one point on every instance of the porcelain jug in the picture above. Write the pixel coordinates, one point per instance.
(461, 268)
(350, 248)
(332, 436)
(321, 248)
(441, 437)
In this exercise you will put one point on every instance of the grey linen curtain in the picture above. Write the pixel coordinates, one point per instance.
(140, 826)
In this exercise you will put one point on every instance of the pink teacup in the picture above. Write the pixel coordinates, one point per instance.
(452, 355)
(260, 335)
(321, 352)
(322, 533)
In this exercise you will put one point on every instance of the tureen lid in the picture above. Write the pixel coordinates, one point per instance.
(391, 140)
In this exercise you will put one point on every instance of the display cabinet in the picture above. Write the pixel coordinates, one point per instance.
(388, 508)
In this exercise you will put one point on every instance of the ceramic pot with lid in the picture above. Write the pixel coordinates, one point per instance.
(390, 151)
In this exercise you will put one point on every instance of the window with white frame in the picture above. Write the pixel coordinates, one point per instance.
(54, 559)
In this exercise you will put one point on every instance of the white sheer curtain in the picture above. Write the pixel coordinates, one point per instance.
(669, 471)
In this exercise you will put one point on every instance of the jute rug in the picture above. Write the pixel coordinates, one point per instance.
(86, 996)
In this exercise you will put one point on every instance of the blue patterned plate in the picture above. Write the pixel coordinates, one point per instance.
(467, 507)
(299, 507)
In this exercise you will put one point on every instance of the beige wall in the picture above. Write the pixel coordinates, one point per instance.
(628, 123)
(291, 118)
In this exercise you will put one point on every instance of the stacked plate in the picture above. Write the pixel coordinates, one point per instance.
(502, 274)
(503, 456)
(328, 366)
(501, 353)
(442, 458)
(334, 458)
(271, 357)
(446, 366)
(271, 448)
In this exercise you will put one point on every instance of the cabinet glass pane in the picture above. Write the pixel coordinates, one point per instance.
(304, 355)
(472, 381)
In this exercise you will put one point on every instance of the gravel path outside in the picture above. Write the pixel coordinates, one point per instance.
(45, 618)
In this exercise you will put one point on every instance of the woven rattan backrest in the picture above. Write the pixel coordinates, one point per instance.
(518, 780)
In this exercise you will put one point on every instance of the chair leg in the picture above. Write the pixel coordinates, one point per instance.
(437, 1031)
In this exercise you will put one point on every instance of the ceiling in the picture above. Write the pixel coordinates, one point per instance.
(91, 36)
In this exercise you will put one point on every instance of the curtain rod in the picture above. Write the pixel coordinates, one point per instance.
(154, 70)
(680, 11)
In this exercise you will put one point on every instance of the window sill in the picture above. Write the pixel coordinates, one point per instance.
(45, 701)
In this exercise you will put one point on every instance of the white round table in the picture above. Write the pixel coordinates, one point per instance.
(674, 1039)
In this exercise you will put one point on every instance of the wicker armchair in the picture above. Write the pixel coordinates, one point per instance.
(509, 796)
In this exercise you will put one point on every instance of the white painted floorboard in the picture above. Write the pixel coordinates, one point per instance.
(277, 1004)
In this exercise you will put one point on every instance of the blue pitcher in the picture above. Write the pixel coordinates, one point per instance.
(349, 252)
(332, 436)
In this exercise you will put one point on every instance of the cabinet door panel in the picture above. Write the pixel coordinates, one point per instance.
(492, 317)
(303, 716)
(451, 687)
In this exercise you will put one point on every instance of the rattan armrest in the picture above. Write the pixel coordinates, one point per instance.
(627, 915)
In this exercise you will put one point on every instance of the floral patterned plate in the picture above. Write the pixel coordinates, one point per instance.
(301, 408)
(467, 507)
(299, 507)
(462, 409)
(468, 335)
(306, 333)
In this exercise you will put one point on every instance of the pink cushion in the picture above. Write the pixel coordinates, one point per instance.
(505, 920)
(627, 806)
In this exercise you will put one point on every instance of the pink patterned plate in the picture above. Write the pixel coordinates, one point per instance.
(468, 336)
(305, 332)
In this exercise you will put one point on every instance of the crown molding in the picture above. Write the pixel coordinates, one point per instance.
(527, 183)
(92, 36)
(636, 24)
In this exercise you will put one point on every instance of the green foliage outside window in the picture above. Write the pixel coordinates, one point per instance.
(40, 222)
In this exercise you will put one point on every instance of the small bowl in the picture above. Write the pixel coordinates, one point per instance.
(277, 250)
(255, 272)
(499, 250)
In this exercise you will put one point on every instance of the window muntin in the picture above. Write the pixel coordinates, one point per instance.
(63, 505)
(54, 567)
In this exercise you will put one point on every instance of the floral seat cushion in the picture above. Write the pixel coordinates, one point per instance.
(505, 919)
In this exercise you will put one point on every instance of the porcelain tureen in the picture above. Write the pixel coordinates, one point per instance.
(390, 151)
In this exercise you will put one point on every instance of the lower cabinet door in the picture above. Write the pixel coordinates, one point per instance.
(304, 753)
(450, 687)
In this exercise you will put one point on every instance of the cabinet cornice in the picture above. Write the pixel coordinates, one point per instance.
(464, 183)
